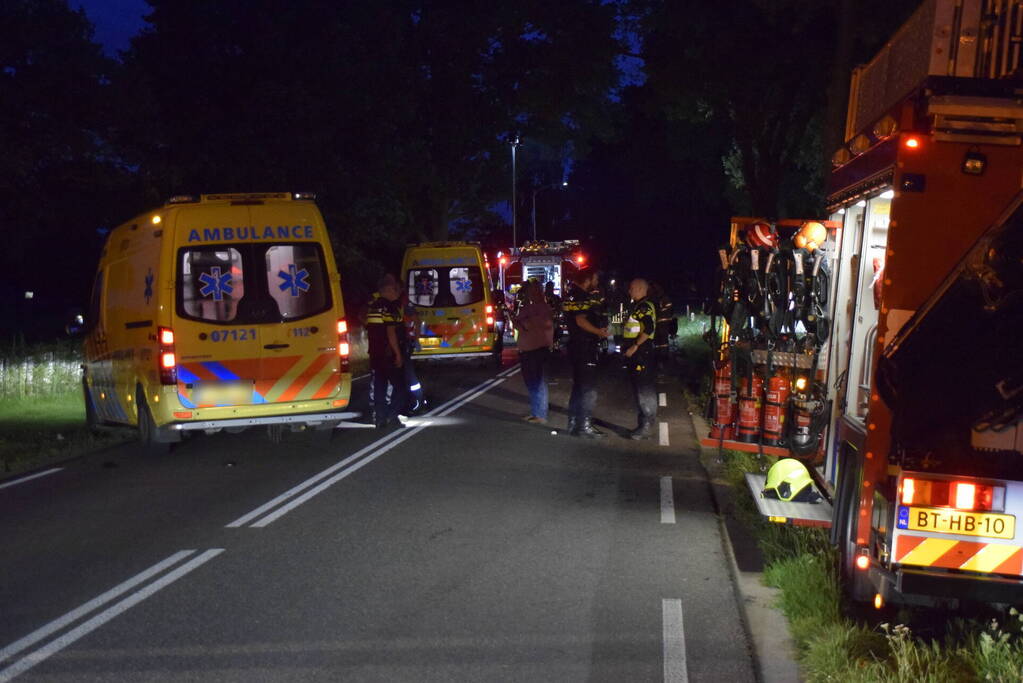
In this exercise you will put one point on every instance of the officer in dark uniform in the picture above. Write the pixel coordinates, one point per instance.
(666, 326)
(587, 325)
(385, 330)
(639, 353)
(665, 320)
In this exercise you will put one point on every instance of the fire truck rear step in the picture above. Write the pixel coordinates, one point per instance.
(797, 514)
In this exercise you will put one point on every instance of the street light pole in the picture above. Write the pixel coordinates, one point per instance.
(563, 183)
(514, 145)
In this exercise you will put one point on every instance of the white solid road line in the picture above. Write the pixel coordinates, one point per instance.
(298, 488)
(662, 400)
(86, 627)
(294, 503)
(667, 502)
(404, 436)
(30, 477)
(394, 437)
(663, 434)
(675, 669)
(75, 614)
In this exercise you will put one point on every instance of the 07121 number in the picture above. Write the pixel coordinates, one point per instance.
(243, 334)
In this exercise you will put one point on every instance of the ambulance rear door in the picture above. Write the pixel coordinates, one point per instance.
(220, 310)
(300, 358)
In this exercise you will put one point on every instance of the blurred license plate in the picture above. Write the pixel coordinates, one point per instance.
(223, 393)
(429, 341)
(957, 522)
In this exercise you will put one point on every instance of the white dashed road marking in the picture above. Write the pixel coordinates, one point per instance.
(662, 400)
(675, 670)
(663, 435)
(667, 502)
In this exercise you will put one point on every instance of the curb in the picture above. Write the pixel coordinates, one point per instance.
(774, 652)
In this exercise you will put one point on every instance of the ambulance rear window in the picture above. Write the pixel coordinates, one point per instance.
(444, 286)
(296, 276)
(246, 284)
(212, 283)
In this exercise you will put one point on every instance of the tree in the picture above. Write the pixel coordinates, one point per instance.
(56, 172)
(396, 112)
(763, 68)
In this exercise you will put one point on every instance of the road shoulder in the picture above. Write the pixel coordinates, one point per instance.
(773, 648)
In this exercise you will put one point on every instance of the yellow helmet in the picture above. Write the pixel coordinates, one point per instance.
(789, 480)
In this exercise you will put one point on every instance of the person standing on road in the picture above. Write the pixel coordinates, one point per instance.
(386, 332)
(416, 399)
(639, 354)
(535, 323)
(666, 325)
(587, 325)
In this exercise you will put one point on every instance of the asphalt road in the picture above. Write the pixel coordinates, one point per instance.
(468, 546)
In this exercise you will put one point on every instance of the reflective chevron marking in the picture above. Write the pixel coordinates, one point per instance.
(946, 553)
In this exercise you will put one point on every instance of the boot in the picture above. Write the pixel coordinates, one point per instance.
(644, 431)
(571, 428)
(587, 430)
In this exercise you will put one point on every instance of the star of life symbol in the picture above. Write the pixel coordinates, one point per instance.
(148, 293)
(216, 284)
(294, 280)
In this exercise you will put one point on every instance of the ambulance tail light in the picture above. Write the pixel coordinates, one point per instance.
(168, 358)
(960, 495)
(490, 318)
(344, 348)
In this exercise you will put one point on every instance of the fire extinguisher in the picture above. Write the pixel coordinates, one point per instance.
(810, 413)
(749, 409)
(776, 400)
(723, 426)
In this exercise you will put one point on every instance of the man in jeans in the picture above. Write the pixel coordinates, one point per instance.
(535, 323)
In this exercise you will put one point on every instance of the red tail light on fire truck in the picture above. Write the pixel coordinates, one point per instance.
(960, 495)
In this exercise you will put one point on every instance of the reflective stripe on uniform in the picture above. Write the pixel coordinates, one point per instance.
(634, 325)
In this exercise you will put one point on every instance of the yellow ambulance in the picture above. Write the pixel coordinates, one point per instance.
(450, 286)
(221, 311)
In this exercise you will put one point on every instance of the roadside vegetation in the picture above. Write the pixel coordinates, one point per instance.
(834, 645)
(694, 355)
(832, 642)
(42, 414)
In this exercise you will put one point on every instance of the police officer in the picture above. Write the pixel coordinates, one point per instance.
(584, 314)
(639, 352)
(386, 332)
(666, 325)
(416, 400)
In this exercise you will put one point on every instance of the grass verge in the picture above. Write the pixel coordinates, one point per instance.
(35, 430)
(832, 647)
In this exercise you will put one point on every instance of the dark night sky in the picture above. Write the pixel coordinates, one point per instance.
(116, 21)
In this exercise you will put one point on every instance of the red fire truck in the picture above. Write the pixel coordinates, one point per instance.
(911, 365)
